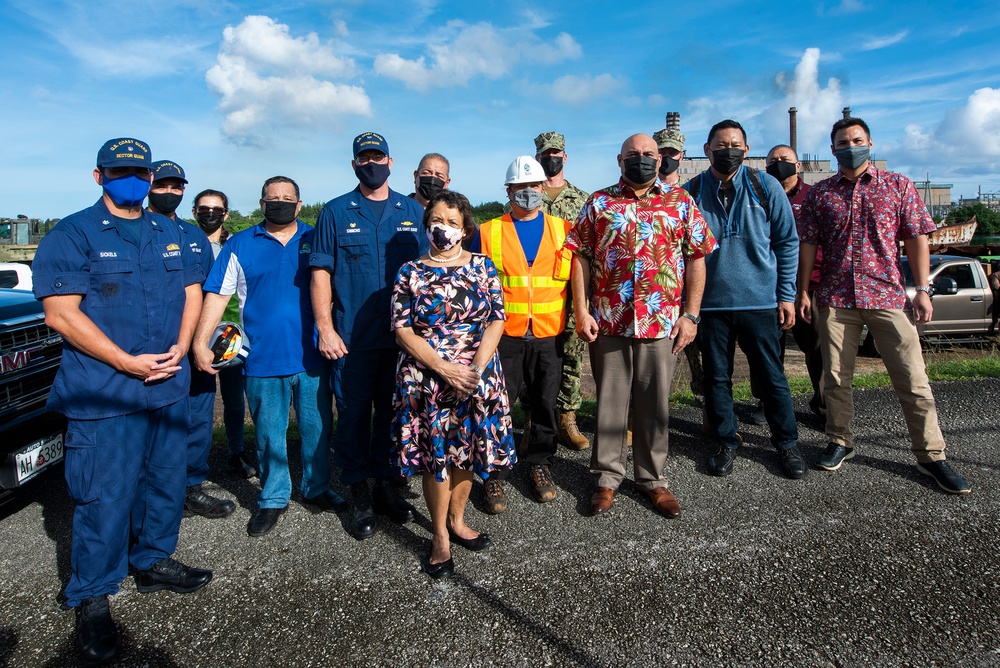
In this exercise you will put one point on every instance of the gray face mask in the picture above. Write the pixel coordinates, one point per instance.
(852, 157)
(528, 199)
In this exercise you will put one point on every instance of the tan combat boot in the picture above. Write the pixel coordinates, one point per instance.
(569, 434)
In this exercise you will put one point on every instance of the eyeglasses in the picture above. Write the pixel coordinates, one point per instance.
(378, 159)
(210, 209)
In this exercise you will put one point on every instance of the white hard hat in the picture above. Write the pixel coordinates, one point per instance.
(524, 169)
(229, 345)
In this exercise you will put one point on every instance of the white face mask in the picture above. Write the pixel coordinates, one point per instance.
(444, 237)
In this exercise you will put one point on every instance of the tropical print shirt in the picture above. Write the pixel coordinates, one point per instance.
(637, 248)
(858, 226)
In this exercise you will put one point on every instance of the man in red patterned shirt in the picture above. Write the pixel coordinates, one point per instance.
(638, 245)
(858, 217)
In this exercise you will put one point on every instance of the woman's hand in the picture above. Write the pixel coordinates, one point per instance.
(462, 377)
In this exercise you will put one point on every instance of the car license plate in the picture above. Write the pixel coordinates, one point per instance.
(38, 456)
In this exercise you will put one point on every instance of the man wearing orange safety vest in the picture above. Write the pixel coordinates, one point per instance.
(526, 247)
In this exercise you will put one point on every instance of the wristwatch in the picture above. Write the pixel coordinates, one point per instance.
(692, 317)
(924, 288)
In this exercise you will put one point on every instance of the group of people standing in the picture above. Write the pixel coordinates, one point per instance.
(423, 327)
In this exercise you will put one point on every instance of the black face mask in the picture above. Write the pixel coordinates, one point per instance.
(280, 213)
(165, 203)
(428, 186)
(209, 221)
(781, 170)
(639, 169)
(551, 164)
(727, 160)
(668, 166)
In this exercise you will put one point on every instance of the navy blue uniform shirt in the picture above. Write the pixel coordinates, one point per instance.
(135, 296)
(364, 256)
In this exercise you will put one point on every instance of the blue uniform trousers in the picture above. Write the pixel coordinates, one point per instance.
(364, 380)
(233, 406)
(201, 407)
(126, 474)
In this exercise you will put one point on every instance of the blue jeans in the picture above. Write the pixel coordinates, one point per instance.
(309, 393)
(233, 406)
(363, 382)
(759, 338)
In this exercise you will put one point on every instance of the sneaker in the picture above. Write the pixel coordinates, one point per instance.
(496, 499)
(541, 483)
(834, 455)
(792, 462)
(945, 477)
(97, 635)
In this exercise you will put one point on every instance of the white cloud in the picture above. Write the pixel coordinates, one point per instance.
(340, 27)
(267, 77)
(472, 51)
(572, 89)
(882, 42)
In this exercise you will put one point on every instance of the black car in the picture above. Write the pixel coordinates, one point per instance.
(31, 439)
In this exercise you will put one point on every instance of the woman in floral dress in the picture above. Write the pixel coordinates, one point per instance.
(452, 414)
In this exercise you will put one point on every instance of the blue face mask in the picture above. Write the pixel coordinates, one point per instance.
(127, 190)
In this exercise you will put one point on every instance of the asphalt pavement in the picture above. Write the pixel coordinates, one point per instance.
(868, 566)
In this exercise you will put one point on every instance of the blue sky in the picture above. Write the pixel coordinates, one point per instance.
(239, 91)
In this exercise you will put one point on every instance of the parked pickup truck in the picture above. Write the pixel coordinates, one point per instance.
(31, 440)
(962, 299)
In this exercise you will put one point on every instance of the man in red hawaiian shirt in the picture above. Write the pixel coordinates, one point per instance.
(858, 217)
(638, 245)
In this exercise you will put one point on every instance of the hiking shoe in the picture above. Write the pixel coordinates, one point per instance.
(834, 455)
(945, 477)
(792, 462)
(496, 499)
(541, 483)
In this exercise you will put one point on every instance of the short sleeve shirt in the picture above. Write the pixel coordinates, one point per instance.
(135, 294)
(637, 247)
(858, 226)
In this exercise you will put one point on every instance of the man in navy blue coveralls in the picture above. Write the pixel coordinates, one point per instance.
(165, 196)
(362, 239)
(123, 289)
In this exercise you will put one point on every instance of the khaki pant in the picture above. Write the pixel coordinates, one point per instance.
(899, 345)
(635, 372)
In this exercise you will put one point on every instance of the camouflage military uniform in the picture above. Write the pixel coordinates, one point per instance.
(567, 205)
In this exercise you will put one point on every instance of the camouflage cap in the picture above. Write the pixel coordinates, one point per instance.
(669, 139)
(549, 140)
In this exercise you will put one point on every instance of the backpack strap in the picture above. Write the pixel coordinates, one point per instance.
(759, 191)
(694, 189)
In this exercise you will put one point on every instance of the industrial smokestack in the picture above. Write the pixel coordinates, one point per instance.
(793, 129)
(847, 112)
(674, 120)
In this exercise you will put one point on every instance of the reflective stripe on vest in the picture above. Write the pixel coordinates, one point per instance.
(540, 299)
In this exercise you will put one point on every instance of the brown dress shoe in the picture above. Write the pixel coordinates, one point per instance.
(664, 502)
(602, 500)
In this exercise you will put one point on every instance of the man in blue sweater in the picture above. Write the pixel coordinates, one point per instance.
(749, 293)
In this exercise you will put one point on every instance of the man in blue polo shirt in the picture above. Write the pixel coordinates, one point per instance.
(362, 239)
(267, 266)
(123, 289)
(165, 196)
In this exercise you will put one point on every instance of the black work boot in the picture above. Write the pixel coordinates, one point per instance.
(387, 501)
(97, 635)
(362, 524)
